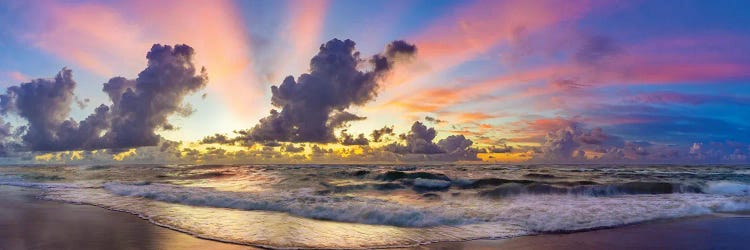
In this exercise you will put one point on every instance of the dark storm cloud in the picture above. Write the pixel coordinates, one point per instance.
(117, 86)
(158, 93)
(139, 107)
(315, 103)
(217, 139)
(45, 104)
(349, 139)
(290, 148)
(378, 134)
(338, 119)
(502, 148)
(419, 146)
(418, 141)
(455, 143)
(571, 141)
(7, 136)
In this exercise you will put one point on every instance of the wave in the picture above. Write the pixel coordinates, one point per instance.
(727, 188)
(629, 188)
(335, 207)
(304, 203)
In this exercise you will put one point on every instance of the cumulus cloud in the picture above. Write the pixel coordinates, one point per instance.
(139, 107)
(349, 139)
(217, 139)
(378, 134)
(419, 141)
(455, 143)
(290, 148)
(315, 103)
(572, 141)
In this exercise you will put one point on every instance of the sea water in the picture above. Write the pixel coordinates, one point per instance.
(358, 206)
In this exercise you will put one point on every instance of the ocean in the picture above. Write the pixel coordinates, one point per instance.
(365, 206)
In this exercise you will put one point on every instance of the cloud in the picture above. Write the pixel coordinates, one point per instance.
(348, 139)
(573, 141)
(728, 151)
(290, 148)
(596, 49)
(433, 119)
(217, 139)
(315, 103)
(7, 138)
(502, 148)
(688, 99)
(378, 134)
(139, 107)
(158, 93)
(419, 141)
(107, 38)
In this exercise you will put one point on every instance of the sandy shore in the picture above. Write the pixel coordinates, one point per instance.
(29, 223)
(706, 232)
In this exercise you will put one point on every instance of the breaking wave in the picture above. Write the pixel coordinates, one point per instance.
(327, 207)
(303, 203)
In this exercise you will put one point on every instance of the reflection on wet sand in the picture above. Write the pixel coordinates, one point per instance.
(30, 223)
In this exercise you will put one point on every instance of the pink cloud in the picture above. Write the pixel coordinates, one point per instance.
(111, 39)
(18, 76)
(472, 31)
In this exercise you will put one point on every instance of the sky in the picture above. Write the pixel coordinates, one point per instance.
(374, 81)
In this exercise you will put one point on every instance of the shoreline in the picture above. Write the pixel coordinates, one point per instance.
(29, 222)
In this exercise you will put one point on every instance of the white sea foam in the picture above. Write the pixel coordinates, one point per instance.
(431, 183)
(286, 215)
(539, 212)
(299, 202)
(727, 188)
(196, 210)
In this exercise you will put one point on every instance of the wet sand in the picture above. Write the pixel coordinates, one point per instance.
(29, 223)
(705, 232)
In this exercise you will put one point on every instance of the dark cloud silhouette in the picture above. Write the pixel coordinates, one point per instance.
(433, 119)
(158, 93)
(139, 107)
(349, 139)
(7, 138)
(455, 143)
(378, 134)
(418, 141)
(419, 146)
(315, 103)
(502, 148)
(290, 148)
(217, 139)
(561, 144)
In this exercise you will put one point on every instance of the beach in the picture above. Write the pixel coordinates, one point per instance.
(705, 232)
(29, 223)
